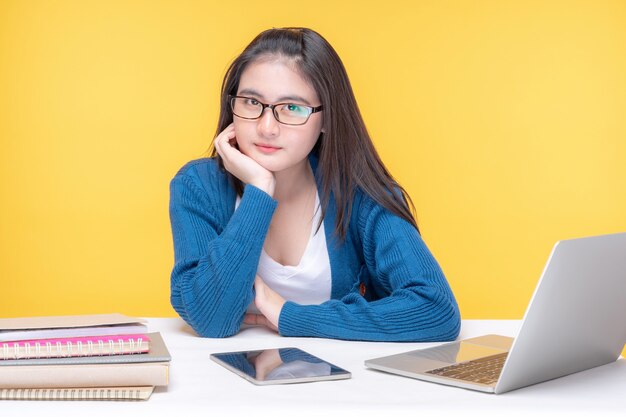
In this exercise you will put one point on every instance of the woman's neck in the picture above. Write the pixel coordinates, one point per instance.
(294, 182)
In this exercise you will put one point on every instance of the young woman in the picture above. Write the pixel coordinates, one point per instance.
(294, 222)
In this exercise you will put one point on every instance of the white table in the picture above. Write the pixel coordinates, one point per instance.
(200, 387)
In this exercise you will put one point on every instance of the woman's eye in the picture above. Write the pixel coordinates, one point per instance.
(293, 108)
(252, 102)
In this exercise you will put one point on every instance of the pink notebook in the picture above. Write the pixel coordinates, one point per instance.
(75, 346)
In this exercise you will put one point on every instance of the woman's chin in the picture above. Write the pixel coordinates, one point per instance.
(270, 165)
(275, 162)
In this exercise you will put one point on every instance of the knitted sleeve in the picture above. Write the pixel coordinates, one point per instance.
(215, 265)
(419, 305)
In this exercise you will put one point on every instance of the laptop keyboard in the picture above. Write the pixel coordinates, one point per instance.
(483, 370)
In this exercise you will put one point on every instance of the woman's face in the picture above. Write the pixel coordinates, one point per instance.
(276, 146)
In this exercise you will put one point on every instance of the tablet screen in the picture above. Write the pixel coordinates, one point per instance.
(279, 366)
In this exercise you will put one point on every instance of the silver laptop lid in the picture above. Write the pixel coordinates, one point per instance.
(575, 320)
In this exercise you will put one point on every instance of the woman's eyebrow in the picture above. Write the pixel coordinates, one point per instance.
(255, 93)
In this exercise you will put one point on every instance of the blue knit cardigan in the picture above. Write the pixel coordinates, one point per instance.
(217, 250)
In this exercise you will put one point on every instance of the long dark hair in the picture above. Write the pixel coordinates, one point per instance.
(347, 157)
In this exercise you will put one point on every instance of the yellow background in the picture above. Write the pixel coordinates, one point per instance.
(505, 120)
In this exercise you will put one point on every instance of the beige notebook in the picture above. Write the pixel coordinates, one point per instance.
(85, 375)
(74, 394)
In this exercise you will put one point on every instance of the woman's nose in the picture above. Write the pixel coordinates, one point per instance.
(268, 126)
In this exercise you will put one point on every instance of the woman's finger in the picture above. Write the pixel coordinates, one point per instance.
(258, 320)
(218, 142)
(250, 318)
(222, 142)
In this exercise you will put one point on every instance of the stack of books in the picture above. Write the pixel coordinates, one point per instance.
(97, 357)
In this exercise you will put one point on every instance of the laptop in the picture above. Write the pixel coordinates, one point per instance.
(574, 322)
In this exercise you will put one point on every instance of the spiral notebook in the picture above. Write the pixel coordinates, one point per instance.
(78, 394)
(158, 353)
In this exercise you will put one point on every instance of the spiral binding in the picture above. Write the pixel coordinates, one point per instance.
(119, 394)
(47, 349)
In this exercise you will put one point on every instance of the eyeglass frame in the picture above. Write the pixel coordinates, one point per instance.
(272, 107)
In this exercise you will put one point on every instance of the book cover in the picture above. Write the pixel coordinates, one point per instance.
(24, 328)
(13, 335)
(54, 322)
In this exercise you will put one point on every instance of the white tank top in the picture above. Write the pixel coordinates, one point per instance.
(306, 283)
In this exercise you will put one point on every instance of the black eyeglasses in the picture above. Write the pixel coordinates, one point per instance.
(285, 113)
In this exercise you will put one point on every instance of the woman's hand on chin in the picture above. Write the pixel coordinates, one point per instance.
(242, 166)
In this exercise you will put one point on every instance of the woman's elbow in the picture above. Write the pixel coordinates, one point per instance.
(215, 332)
(214, 326)
(450, 323)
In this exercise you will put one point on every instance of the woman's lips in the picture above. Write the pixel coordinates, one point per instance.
(266, 148)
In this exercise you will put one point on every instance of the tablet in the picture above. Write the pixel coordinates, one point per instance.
(279, 366)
